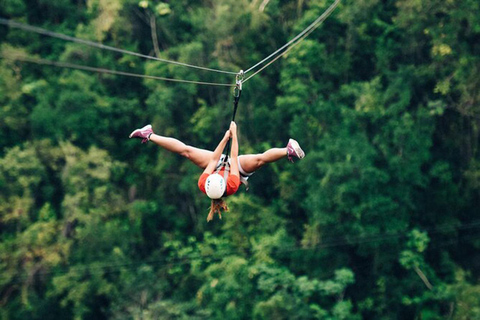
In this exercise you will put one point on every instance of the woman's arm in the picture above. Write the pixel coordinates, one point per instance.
(234, 152)
(217, 153)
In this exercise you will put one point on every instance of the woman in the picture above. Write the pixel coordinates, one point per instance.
(214, 181)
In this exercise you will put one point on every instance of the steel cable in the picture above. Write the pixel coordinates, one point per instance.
(52, 34)
(294, 41)
(23, 58)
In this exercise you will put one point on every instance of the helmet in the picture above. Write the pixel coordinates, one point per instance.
(215, 186)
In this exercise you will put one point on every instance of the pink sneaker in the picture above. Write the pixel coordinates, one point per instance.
(142, 133)
(294, 150)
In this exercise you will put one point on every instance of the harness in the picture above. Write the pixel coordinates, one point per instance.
(225, 164)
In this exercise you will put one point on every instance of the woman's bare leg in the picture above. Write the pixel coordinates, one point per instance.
(200, 157)
(253, 162)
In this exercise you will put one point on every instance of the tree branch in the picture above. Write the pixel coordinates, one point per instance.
(423, 277)
(153, 29)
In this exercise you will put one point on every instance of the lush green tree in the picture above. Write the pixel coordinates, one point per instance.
(379, 220)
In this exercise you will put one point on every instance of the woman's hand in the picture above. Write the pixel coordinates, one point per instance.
(233, 128)
(227, 135)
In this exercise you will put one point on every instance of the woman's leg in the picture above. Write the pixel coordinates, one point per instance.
(253, 162)
(200, 157)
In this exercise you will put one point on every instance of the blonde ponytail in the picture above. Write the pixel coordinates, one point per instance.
(217, 206)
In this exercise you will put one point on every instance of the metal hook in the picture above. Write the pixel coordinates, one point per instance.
(239, 77)
(238, 83)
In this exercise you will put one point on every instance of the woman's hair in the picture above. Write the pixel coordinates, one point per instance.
(216, 207)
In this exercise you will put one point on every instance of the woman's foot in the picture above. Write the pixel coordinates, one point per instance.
(142, 133)
(294, 150)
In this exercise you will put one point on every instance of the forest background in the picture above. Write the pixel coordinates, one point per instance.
(379, 221)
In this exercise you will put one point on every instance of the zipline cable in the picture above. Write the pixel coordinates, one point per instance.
(289, 45)
(52, 34)
(292, 43)
(24, 58)
(277, 57)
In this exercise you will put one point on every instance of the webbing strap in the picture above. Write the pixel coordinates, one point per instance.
(236, 97)
(237, 93)
(225, 165)
(225, 175)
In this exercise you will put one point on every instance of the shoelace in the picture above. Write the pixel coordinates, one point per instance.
(290, 151)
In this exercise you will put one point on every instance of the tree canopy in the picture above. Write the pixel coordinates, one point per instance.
(379, 221)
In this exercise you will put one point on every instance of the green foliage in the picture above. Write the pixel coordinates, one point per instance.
(379, 221)
(297, 298)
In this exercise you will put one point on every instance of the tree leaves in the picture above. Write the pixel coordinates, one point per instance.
(379, 219)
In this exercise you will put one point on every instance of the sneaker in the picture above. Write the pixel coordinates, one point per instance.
(143, 133)
(294, 150)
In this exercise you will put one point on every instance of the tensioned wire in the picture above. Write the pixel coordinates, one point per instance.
(278, 57)
(294, 41)
(289, 45)
(17, 57)
(219, 254)
(45, 32)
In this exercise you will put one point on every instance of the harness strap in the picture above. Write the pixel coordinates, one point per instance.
(243, 179)
(225, 165)
(225, 175)
(236, 97)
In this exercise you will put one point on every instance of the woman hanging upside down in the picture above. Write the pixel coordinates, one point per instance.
(214, 181)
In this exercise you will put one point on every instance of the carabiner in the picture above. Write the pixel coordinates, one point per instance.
(239, 77)
(238, 83)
